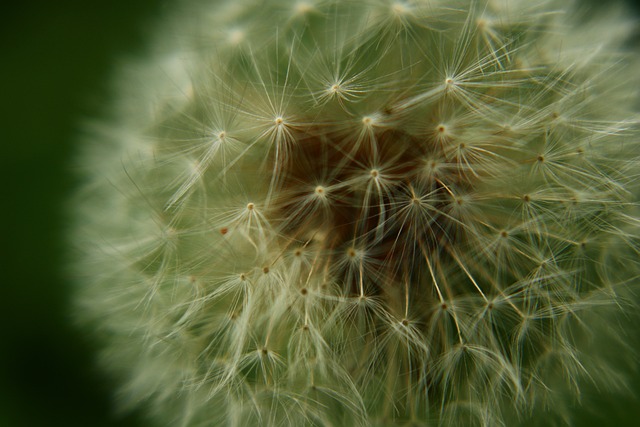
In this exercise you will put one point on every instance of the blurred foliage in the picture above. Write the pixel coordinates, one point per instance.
(56, 61)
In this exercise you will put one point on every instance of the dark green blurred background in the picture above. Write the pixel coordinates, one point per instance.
(56, 59)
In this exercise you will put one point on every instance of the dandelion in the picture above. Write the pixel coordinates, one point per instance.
(328, 213)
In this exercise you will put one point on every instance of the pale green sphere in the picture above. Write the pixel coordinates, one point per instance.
(374, 212)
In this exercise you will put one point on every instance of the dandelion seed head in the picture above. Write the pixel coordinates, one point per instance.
(365, 213)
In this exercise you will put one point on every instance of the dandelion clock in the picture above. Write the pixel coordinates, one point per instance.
(365, 213)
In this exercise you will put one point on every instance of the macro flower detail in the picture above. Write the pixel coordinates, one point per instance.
(373, 212)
